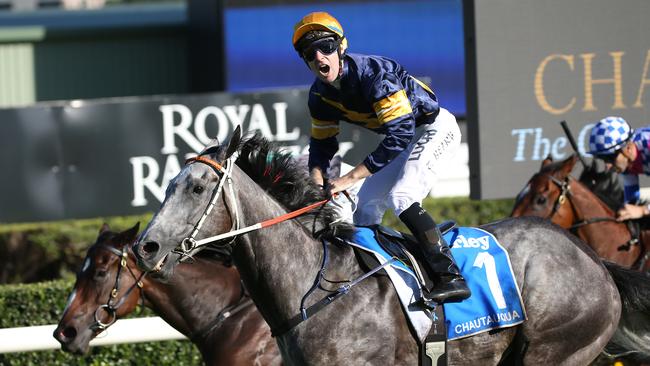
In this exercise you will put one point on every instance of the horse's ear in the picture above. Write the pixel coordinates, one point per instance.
(129, 235)
(104, 228)
(547, 161)
(233, 144)
(568, 164)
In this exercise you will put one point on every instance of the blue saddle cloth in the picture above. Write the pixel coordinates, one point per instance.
(495, 302)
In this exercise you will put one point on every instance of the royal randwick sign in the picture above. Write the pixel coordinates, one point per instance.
(116, 157)
(532, 64)
(182, 129)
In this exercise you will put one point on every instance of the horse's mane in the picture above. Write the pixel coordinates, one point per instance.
(551, 168)
(283, 178)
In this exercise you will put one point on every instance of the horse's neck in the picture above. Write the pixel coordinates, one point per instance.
(195, 295)
(279, 263)
(587, 204)
(588, 207)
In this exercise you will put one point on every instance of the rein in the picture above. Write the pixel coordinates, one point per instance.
(190, 244)
(110, 308)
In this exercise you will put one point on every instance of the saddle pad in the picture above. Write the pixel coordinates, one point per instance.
(496, 300)
(402, 277)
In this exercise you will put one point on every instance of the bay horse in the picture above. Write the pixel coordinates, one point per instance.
(572, 303)
(552, 193)
(204, 301)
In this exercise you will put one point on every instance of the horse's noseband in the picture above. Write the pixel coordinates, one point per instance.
(224, 172)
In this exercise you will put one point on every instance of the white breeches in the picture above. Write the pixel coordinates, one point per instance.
(412, 174)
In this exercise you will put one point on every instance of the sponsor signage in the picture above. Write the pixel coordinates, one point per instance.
(530, 65)
(116, 157)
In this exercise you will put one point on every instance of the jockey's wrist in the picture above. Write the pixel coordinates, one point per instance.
(646, 210)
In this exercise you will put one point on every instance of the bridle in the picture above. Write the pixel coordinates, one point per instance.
(189, 245)
(565, 191)
(111, 306)
(565, 195)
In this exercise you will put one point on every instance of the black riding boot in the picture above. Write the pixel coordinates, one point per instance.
(449, 284)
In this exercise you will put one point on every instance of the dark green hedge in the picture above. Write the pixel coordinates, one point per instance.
(464, 211)
(37, 252)
(43, 303)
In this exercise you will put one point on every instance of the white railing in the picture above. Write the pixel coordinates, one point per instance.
(39, 338)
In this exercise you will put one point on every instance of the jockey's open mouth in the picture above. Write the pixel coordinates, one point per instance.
(324, 69)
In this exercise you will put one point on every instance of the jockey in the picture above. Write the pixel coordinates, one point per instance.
(376, 93)
(628, 151)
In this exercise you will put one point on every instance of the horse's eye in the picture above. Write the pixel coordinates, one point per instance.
(198, 189)
(540, 200)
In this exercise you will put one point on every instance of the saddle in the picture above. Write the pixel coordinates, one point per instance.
(496, 299)
(404, 247)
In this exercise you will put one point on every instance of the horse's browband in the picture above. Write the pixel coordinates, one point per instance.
(207, 161)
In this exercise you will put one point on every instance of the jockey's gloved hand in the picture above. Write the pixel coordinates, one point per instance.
(327, 188)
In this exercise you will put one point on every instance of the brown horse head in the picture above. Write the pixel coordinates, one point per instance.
(106, 289)
(552, 193)
(204, 300)
(546, 192)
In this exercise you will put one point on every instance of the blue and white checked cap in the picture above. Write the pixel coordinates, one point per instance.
(608, 135)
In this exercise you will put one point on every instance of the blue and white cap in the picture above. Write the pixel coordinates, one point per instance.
(609, 135)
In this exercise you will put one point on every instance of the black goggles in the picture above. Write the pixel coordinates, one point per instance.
(326, 46)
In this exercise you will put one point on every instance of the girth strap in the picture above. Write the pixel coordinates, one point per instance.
(328, 299)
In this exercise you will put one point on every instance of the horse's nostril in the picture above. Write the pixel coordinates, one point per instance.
(67, 334)
(150, 247)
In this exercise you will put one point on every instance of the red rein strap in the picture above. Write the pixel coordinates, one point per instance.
(292, 214)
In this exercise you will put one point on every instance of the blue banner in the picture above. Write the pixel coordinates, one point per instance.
(426, 37)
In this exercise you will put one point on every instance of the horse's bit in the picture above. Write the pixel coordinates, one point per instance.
(110, 308)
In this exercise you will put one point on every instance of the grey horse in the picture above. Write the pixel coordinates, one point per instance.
(572, 303)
